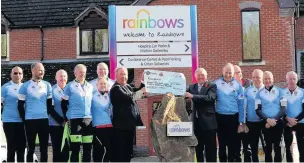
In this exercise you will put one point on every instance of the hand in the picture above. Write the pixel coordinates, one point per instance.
(289, 125)
(267, 125)
(292, 121)
(272, 122)
(145, 94)
(188, 95)
(240, 129)
(246, 129)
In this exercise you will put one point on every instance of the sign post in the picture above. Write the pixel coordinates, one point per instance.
(153, 37)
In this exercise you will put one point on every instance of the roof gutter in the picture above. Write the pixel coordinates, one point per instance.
(38, 26)
(42, 43)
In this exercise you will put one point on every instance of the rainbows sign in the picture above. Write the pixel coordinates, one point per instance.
(155, 37)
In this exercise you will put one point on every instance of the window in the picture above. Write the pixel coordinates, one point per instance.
(94, 41)
(3, 42)
(251, 36)
(93, 35)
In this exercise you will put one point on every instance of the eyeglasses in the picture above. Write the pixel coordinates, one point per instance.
(16, 73)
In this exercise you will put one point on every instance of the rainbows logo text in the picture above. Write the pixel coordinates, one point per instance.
(148, 22)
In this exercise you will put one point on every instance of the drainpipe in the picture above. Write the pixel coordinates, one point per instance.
(295, 17)
(42, 43)
(295, 44)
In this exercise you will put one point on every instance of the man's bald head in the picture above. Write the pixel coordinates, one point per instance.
(17, 74)
(228, 72)
(37, 71)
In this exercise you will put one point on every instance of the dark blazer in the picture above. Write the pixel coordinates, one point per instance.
(126, 115)
(204, 105)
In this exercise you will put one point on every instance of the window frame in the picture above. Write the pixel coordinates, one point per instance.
(261, 55)
(6, 35)
(81, 53)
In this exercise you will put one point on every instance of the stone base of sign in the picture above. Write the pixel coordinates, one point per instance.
(172, 149)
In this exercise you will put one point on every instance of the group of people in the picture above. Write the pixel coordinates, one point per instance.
(101, 114)
(241, 112)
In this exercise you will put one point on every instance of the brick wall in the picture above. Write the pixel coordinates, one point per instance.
(25, 44)
(59, 43)
(220, 41)
(300, 33)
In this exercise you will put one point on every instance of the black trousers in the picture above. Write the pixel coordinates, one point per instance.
(15, 138)
(288, 137)
(272, 138)
(56, 133)
(122, 145)
(254, 133)
(81, 133)
(243, 141)
(227, 137)
(299, 128)
(102, 144)
(40, 127)
(206, 144)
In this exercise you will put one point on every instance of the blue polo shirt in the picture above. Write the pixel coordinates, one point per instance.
(230, 98)
(80, 99)
(35, 95)
(9, 98)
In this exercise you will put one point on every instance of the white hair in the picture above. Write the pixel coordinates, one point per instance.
(258, 71)
(102, 64)
(118, 68)
(201, 70)
(292, 73)
(268, 73)
(78, 66)
(61, 71)
(230, 65)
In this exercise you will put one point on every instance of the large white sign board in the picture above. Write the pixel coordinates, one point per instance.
(137, 33)
(153, 23)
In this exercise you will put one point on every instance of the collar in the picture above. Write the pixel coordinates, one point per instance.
(15, 83)
(291, 91)
(85, 81)
(36, 81)
(59, 87)
(262, 86)
(229, 81)
(269, 89)
(202, 85)
(103, 93)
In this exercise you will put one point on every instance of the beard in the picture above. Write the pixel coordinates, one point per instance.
(40, 76)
